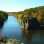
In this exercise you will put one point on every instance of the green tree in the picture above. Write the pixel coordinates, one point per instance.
(3, 18)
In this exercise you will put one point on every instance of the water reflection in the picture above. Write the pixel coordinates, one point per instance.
(13, 29)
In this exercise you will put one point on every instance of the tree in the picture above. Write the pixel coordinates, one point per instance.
(3, 18)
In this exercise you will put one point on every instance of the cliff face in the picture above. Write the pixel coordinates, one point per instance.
(37, 12)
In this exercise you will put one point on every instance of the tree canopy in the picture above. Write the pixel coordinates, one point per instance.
(3, 15)
(3, 18)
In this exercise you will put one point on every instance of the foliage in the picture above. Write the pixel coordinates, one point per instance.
(3, 15)
(3, 18)
(37, 12)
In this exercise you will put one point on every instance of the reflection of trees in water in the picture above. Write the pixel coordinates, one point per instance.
(33, 24)
(30, 22)
(3, 18)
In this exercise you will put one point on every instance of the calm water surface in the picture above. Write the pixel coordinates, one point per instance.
(12, 28)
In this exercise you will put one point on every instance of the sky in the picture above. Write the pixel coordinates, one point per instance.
(19, 5)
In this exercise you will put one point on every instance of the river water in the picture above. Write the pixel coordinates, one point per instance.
(12, 28)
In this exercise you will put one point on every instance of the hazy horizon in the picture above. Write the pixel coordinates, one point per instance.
(19, 5)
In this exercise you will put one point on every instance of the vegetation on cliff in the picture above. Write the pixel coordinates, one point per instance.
(37, 12)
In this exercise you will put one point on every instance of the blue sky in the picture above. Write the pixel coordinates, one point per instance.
(19, 5)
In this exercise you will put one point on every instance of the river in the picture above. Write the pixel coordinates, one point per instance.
(12, 28)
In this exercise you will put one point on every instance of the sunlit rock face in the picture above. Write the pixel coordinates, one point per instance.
(3, 18)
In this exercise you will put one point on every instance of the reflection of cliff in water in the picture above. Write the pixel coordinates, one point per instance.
(12, 28)
(33, 24)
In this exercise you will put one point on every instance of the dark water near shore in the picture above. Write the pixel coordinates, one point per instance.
(12, 28)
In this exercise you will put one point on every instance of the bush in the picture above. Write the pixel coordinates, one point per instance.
(3, 18)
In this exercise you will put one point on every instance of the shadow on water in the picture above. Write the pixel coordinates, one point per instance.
(12, 28)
